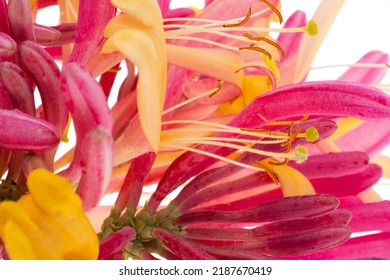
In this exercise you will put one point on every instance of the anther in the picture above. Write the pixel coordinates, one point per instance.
(241, 23)
(258, 50)
(312, 28)
(269, 41)
(311, 134)
(269, 172)
(218, 88)
(286, 160)
(300, 154)
(276, 11)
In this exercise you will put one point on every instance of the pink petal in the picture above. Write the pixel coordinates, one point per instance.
(315, 98)
(367, 75)
(228, 9)
(271, 229)
(332, 164)
(67, 31)
(115, 242)
(371, 216)
(86, 102)
(46, 36)
(290, 43)
(180, 12)
(131, 189)
(179, 246)
(191, 164)
(96, 164)
(42, 68)
(4, 23)
(84, 99)
(371, 137)
(122, 113)
(306, 242)
(15, 82)
(289, 245)
(7, 46)
(93, 18)
(280, 209)
(349, 184)
(25, 132)
(375, 245)
(228, 91)
(20, 20)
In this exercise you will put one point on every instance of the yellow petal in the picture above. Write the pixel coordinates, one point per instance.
(145, 11)
(51, 192)
(324, 17)
(216, 63)
(17, 243)
(292, 182)
(138, 48)
(254, 86)
(139, 35)
(10, 210)
(233, 107)
(345, 126)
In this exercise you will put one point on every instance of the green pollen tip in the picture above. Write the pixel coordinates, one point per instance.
(311, 134)
(312, 28)
(301, 154)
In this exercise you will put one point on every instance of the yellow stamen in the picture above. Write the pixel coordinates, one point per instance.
(245, 20)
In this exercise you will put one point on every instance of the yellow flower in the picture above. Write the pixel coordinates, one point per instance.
(47, 223)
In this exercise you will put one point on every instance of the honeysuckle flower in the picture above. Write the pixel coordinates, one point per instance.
(28, 65)
(47, 223)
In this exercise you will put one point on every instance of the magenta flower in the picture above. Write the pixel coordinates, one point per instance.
(34, 132)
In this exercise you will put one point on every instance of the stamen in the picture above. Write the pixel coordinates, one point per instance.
(209, 93)
(272, 175)
(64, 137)
(269, 41)
(300, 154)
(311, 134)
(221, 158)
(230, 129)
(286, 160)
(213, 22)
(292, 136)
(238, 140)
(218, 89)
(258, 49)
(114, 70)
(312, 28)
(276, 11)
(245, 20)
(236, 147)
(183, 29)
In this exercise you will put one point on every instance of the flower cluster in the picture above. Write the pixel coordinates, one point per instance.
(248, 160)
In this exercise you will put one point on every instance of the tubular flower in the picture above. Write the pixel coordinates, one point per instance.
(250, 160)
(47, 223)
